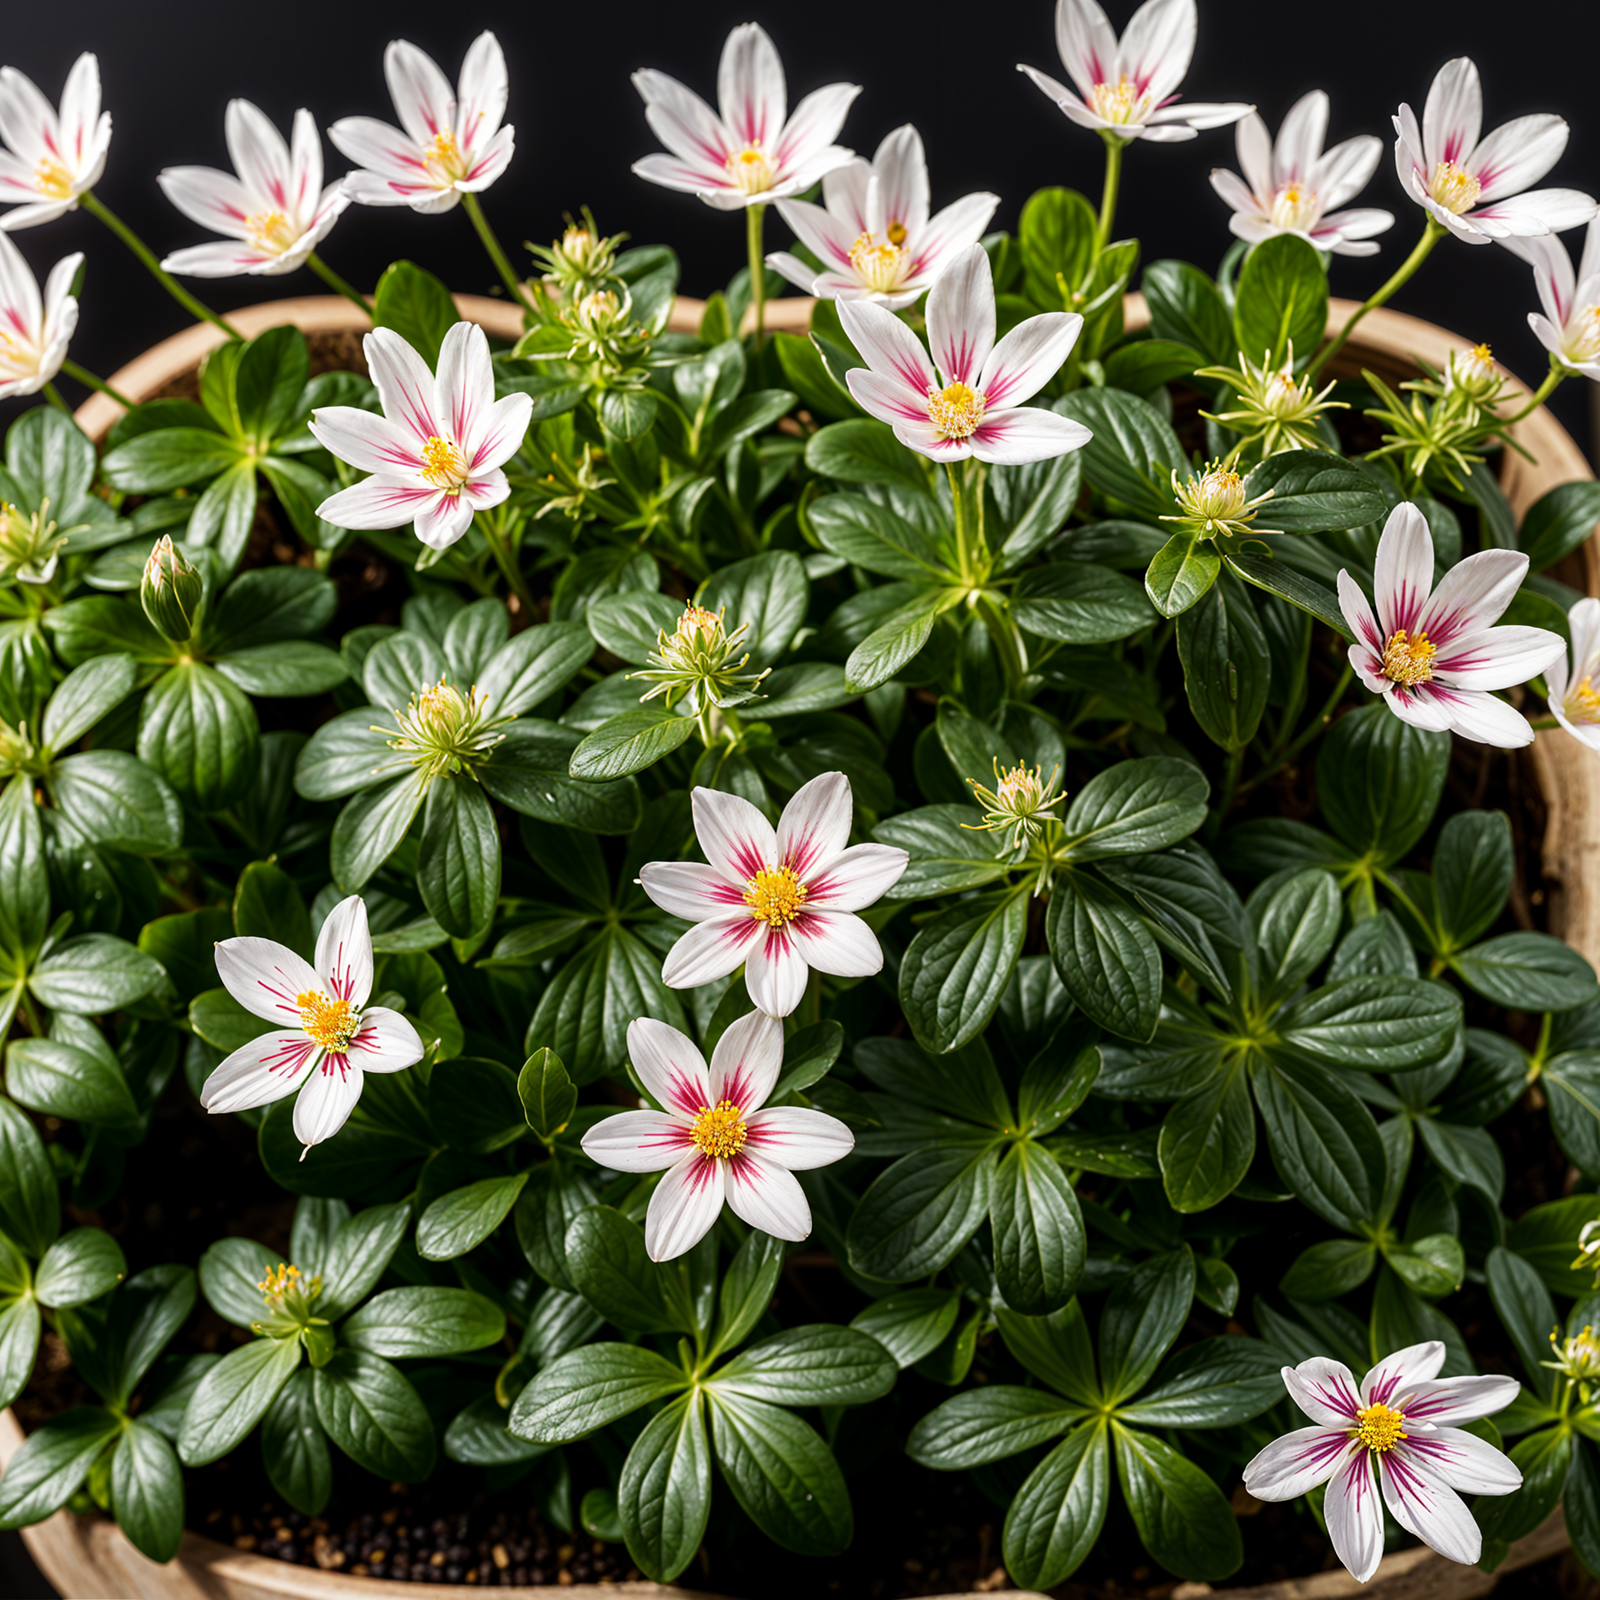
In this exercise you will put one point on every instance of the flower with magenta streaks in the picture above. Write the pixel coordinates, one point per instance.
(452, 144)
(334, 1037)
(34, 330)
(1570, 326)
(1573, 695)
(1473, 186)
(755, 151)
(50, 160)
(274, 213)
(781, 902)
(436, 452)
(1398, 1432)
(966, 401)
(873, 234)
(1434, 654)
(714, 1142)
(1127, 87)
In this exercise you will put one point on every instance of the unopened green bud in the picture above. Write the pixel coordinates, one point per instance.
(170, 591)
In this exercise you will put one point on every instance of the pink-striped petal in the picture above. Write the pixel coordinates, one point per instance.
(1399, 1372)
(216, 200)
(1477, 715)
(825, 236)
(1325, 1390)
(1462, 1460)
(901, 168)
(1296, 1463)
(380, 149)
(808, 136)
(386, 1043)
(1453, 114)
(888, 399)
(961, 317)
(1026, 433)
(325, 1103)
(376, 504)
(1354, 1515)
(844, 194)
(671, 172)
(1427, 706)
(889, 347)
(422, 96)
(949, 232)
(690, 889)
(483, 88)
(1086, 43)
(685, 1205)
(838, 943)
(1158, 44)
(260, 157)
(1517, 154)
(1301, 136)
(266, 978)
(344, 953)
(670, 1067)
(768, 1197)
(751, 93)
(368, 442)
(405, 385)
(638, 1141)
(1028, 358)
(683, 122)
(929, 441)
(738, 841)
(775, 972)
(711, 950)
(857, 878)
(1471, 596)
(1345, 170)
(793, 270)
(1064, 98)
(746, 1061)
(815, 825)
(1424, 1504)
(1537, 211)
(1404, 569)
(81, 122)
(258, 1073)
(465, 387)
(1497, 658)
(797, 1138)
(27, 120)
(442, 521)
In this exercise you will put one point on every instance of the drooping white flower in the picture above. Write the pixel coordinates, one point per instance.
(1295, 186)
(713, 1140)
(780, 902)
(334, 1037)
(50, 160)
(1396, 1432)
(754, 152)
(1434, 654)
(34, 331)
(968, 400)
(1474, 186)
(274, 212)
(452, 144)
(1128, 87)
(436, 452)
(1574, 697)
(873, 234)
(1570, 326)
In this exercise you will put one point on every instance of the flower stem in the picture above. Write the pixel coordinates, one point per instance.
(1541, 394)
(196, 308)
(89, 381)
(755, 221)
(53, 395)
(336, 283)
(500, 549)
(1431, 235)
(502, 264)
(1108, 195)
(959, 506)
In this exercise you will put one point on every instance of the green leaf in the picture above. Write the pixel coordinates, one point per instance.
(370, 828)
(1208, 1139)
(1472, 869)
(548, 1094)
(92, 974)
(1185, 305)
(1280, 579)
(478, 1437)
(1183, 1518)
(873, 536)
(917, 1215)
(1056, 1517)
(1134, 451)
(1527, 972)
(30, 1211)
(1433, 1265)
(1282, 299)
(1546, 1235)
(1212, 1384)
(1134, 807)
(84, 696)
(267, 905)
(988, 1424)
(24, 878)
(200, 733)
(1296, 924)
(1056, 240)
(1330, 1269)
(588, 1388)
(628, 624)
(1106, 956)
(1055, 1348)
(1314, 491)
(1039, 1244)
(630, 743)
(112, 798)
(147, 1491)
(459, 877)
(1078, 602)
(359, 1254)
(1030, 504)
(1323, 1140)
(1226, 664)
(231, 1272)
(538, 661)
(863, 450)
(1378, 1024)
(957, 968)
(612, 1270)
(1143, 1315)
(415, 1321)
(1558, 522)
(294, 1449)
(19, 1345)
(51, 1463)
(148, 1310)
(1572, 1087)
(60, 1080)
(809, 1366)
(895, 643)
(168, 458)
(417, 306)
(528, 772)
(375, 1416)
(910, 1323)
(1379, 780)
(747, 1288)
(664, 1496)
(1181, 574)
(948, 851)
(232, 1397)
(269, 604)
(461, 1220)
(80, 1266)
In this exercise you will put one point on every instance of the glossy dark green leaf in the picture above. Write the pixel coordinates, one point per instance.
(147, 1491)
(1106, 956)
(1282, 300)
(51, 1463)
(1181, 574)
(232, 1397)
(1144, 1314)
(372, 1412)
(1323, 1140)
(587, 1388)
(294, 1449)
(200, 733)
(423, 1321)
(1183, 1518)
(1379, 780)
(957, 967)
(910, 1323)
(1039, 1243)
(1056, 1517)
(914, 1217)
(1527, 972)
(664, 1496)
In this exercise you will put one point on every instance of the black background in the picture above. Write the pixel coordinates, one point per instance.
(170, 66)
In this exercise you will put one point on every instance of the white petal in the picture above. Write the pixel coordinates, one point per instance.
(258, 1073)
(1453, 113)
(27, 120)
(961, 317)
(369, 443)
(421, 93)
(746, 1061)
(1064, 97)
(825, 236)
(405, 385)
(949, 232)
(1404, 569)
(672, 173)
(386, 1043)
(1027, 433)
(924, 437)
(1236, 192)
(838, 943)
(1424, 1504)
(1497, 658)
(441, 521)
(502, 432)
(483, 88)
(1353, 603)
(1086, 43)
(1416, 1363)
(751, 94)
(218, 260)
(259, 156)
(685, 1205)
(1192, 115)
(1028, 358)
(384, 151)
(376, 503)
(901, 168)
(669, 1066)
(344, 952)
(683, 122)
(1355, 1515)
(690, 889)
(1537, 211)
(325, 1103)
(793, 270)
(888, 399)
(489, 162)
(808, 136)
(216, 200)
(1325, 1390)
(1471, 595)
(465, 386)
(857, 877)
(266, 978)
(1583, 623)
(1157, 45)
(1462, 1460)
(710, 950)
(638, 1141)
(1301, 136)
(80, 114)
(798, 1138)
(1517, 154)
(1429, 706)
(1360, 222)
(775, 972)
(815, 825)
(768, 1197)
(1296, 1463)
(889, 347)
(1346, 170)
(738, 841)
(1477, 715)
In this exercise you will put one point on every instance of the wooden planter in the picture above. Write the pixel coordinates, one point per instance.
(87, 1557)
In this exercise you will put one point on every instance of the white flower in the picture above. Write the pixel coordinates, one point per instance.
(336, 1036)
(33, 332)
(452, 145)
(755, 151)
(1570, 326)
(1127, 87)
(1433, 654)
(713, 1140)
(436, 451)
(873, 235)
(1397, 1432)
(1295, 186)
(1474, 186)
(48, 161)
(972, 405)
(1575, 704)
(781, 902)
(275, 211)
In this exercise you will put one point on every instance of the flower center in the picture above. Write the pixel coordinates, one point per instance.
(1295, 207)
(1454, 188)
(1116, 102)
(53, 179)
(1406, 660)
(443, 158)
(278, 1282)
(1584, 344)
(442, 730)
(270, 230)
(957, 410)
(775, 896)
(1219, 495)
(331, 1023)
(1379, 1428)
(718, 1131)
(1583, 705)
(442, 465)
(752, 169)
(879, 266)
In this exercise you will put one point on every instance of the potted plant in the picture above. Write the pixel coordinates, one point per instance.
(632, 926)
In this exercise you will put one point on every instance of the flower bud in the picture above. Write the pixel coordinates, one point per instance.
(170, 591)
(702, 659)
(1215, 503)
(28, 545)
(1472, 373)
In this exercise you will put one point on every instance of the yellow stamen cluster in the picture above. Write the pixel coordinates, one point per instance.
(1215, 503)
(1577, 1358)
(753, 171)
(1115, 102)
(1295, 207)
(1408, 660)
(576, 245)
(1020, 803)
(1583, 702)
(1583, 338)
(442, 730)
(956, 410)
(702, 659)
(52, 179)
(1472, 373)
(443, 158)
(278, 1283)
(719, 1131)
(1274, 409)
(878, 265)
(28, 544)
(331, 1023)
(1454, 188)
(442, 464)
(270, 230)
(775, 896)
(1380, 1428)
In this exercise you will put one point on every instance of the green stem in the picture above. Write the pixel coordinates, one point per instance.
(96, 208)
(502, 264)
(755, 221)
(89, 381)
(500, 549)
(1308, 733)
(336, 283)
(1006, 643)
(1108, 195)
(1541, 394)
(53, 395)
(959, 505)
(1431, 235)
